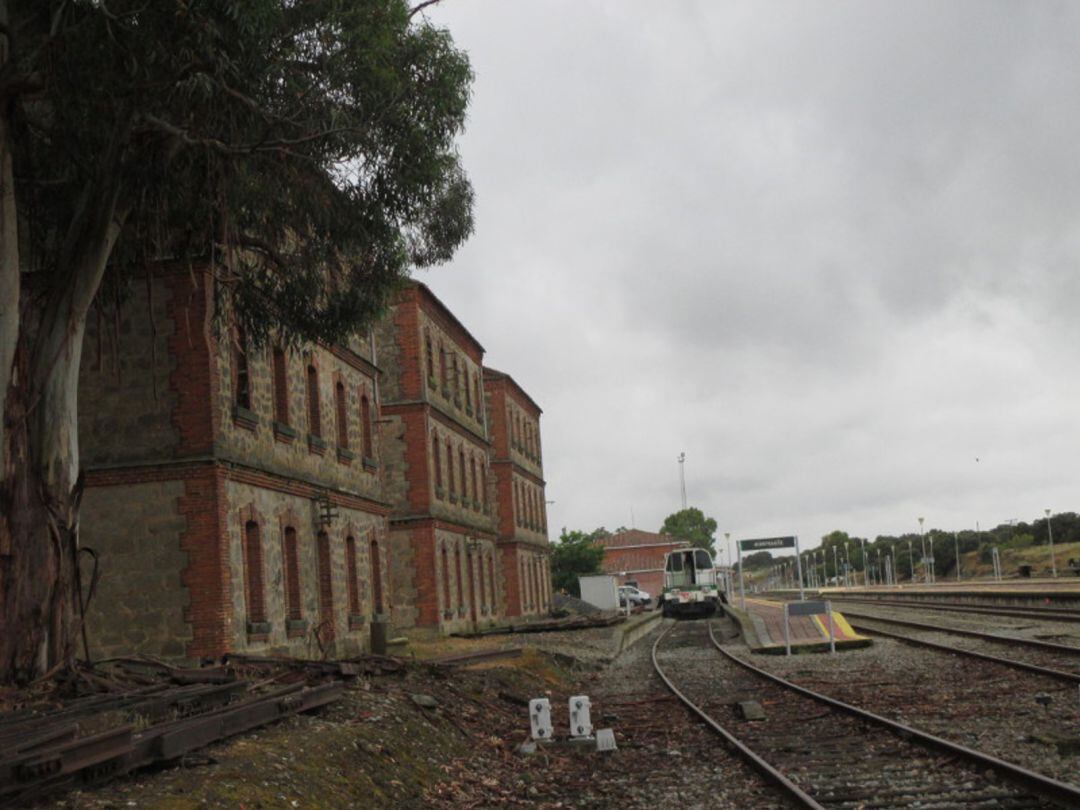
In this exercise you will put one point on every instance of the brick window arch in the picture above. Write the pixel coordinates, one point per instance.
(436, 459)
(281, 385)
(291, 555)
(352, 584)
(314, 419)
(376, 576)
(241, 372)
(367, 448)
(342, 414)
(254, 579)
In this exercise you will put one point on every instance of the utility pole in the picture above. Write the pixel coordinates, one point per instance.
(1050, 534)
(682, 478)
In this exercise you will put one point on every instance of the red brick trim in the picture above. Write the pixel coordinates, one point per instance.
(194, 347)
(207, 575)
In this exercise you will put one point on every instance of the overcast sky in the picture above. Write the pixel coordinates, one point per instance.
(827, 249)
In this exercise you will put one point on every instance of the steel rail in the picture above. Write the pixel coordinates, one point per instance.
(1009, 662)
(1013, 612)
(1067, 794)
(772, 774)
(1050, 646)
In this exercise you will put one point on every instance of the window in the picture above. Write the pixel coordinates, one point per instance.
(351, 583)
(314, 422)
(450, 468)
(241, 374)
(281, 386)
(437, 461)
(483, 483)
(365, 427)
(472, 469)
(442, 366)
(461, 468)
(447, 602)
(340, 406)
(468, 390)
(326, 588)
(460, 589)
(457, 390)
(476, 392)
(491, 582)
(376, 577)
(430, 354)
(253, 567)
(292, 575)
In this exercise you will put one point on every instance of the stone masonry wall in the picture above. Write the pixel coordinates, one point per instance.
(140, 601)
(274, 511)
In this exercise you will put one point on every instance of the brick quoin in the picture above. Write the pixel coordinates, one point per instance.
(192, 344)
(207, 574)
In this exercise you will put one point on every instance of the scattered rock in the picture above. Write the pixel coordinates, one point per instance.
(425, 701)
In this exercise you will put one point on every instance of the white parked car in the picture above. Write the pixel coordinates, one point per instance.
(636, 596)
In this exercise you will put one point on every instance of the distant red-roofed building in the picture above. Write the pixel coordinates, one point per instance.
(638, 556)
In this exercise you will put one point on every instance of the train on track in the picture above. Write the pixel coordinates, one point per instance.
(690, 587)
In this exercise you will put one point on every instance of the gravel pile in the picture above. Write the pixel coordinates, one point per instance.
(571, 604)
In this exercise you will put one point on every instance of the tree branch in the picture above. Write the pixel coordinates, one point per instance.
(421, 6)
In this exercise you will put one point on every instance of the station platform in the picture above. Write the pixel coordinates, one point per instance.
(762, 625)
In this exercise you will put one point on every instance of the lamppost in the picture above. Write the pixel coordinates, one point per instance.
(682, 478)
(731, 560)
(847, 563)
(865, 569)
(922, 542)
(835, 565)
(1050, 534)
(911, 559)
(933, 573)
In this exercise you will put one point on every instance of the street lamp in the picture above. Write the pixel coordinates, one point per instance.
(1050, 533)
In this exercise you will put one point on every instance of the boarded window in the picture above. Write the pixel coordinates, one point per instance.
(340, 407)
(292, 575)
(241, 374)
(352, 584)
(253, 566)
(326, 581)
(281, 386)
(376, 577)
(365, 427)
(314, 420)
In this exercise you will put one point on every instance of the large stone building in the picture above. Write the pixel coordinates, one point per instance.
(271, 500)
(519, 483)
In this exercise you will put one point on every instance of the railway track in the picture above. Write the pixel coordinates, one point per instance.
(1044, 614)
(826, 753)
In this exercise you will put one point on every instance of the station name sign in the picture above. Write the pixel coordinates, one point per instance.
(766, 542)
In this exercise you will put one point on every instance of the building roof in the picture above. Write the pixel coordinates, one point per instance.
(444, 310)
(494, 374)
(637, 537)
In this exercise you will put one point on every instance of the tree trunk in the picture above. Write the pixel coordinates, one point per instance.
(39, 617)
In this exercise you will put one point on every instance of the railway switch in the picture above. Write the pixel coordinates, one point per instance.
(580, 719)
(540, 718)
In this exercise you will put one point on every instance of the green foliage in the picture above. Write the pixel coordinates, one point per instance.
(758, 559)
(691, 525)
(576, 554)
(305, 149)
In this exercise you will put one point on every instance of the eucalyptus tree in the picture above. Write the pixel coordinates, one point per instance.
(302, 149)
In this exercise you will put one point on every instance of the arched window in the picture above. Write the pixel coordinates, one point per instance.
(468, 390)
(442, 366)
(241, 374)
(430, 354)
(457, 389)
(460, 580)
(376, 577)
(352, 584)
(326, 580)
(281, 386)
(293, 608)
(472, 470)
(253, 567)
(493, 596)
(483, 484)
(340, 408)
(314, 421)
(450, 468)
(435, 457)
(464, 480)
(368, 448)
(476, 392)
(446, 600)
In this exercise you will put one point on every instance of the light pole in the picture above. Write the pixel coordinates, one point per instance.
(933, 574)
(911, 559)
(682, 478)
(865, 569)
(922, 542)
(847, 563)
(1050, 534)
(835, 565)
